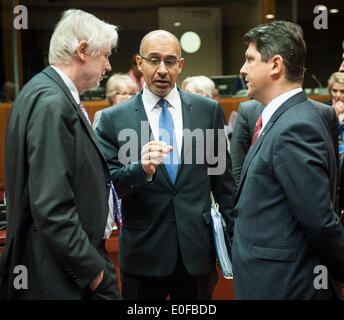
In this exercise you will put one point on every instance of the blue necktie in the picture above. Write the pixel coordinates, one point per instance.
(166, 134)
(116, 205)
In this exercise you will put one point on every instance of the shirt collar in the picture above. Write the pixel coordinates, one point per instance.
(150, 99)
(69, 83)
(274, 104)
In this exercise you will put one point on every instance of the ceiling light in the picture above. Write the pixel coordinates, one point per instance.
(177, 24)
(270, 16)
(334, 10)
(190, 42)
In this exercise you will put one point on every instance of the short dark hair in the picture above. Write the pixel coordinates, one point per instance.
(282, 38)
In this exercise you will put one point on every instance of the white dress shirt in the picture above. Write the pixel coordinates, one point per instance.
(274, 104)
(153, 110)
(74, 91)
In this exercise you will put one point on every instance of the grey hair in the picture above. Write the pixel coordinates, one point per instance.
(202, 85)
(163, 32)
(282, 38)
(76, 26)
(116, 82)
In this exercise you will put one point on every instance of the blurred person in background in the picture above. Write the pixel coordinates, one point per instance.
(336, 91)
(135, 74)
(119, 88)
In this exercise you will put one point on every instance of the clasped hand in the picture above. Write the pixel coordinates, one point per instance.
(152, 155)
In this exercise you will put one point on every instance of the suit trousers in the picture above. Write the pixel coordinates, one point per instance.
(180, 285)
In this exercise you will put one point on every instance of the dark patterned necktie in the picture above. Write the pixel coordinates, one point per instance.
(257, 130)
(166, 134)
(116, 205)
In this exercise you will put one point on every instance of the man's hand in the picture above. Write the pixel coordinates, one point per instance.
(95, 283)
(152, 155)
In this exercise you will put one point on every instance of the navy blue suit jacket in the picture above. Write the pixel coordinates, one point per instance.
(160, 217)
(285, 221)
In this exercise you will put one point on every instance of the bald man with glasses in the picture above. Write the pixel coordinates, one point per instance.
(166, 244)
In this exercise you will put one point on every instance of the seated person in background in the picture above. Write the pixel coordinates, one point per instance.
(216, 93)
(336, 90)
(119, 88)
(8, 92)
(202, 86)
(135, 74)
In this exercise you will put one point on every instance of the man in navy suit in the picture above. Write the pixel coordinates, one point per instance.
(166, 245)
(288, 241)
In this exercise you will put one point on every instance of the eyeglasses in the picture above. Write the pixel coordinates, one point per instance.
(124, 94)
(155, 62)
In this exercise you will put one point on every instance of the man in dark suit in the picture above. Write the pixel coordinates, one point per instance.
(166, 245)
(248, 114)
(56, 179)
(288, 242)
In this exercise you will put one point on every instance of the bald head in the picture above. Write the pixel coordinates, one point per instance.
(156, 35)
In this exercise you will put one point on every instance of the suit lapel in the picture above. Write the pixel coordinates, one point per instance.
(142, 122)
(187, 124)
(298, 98)
(52, 74)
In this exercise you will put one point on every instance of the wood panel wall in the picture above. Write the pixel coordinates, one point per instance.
(228, 104)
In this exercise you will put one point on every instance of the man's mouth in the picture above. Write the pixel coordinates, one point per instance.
(161, 82)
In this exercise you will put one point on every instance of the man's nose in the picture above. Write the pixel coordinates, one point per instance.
(243, 70)
(162, 68)
(108, 65)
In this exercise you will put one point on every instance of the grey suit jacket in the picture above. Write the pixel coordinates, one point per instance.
(285, 221)
(57, 187)
(160, 217)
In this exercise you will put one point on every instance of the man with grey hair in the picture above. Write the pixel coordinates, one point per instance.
(166, 245)
(59, 201)
(286, 230)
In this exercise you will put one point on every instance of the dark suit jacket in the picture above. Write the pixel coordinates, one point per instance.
(285, 221)
(57, 188)
(159, 217)
(248, 114)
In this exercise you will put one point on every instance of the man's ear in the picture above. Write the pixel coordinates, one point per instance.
(81, 51)
(139, 62)
(277, 65)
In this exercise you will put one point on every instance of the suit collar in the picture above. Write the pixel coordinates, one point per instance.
(273, 105)
(297, 98)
